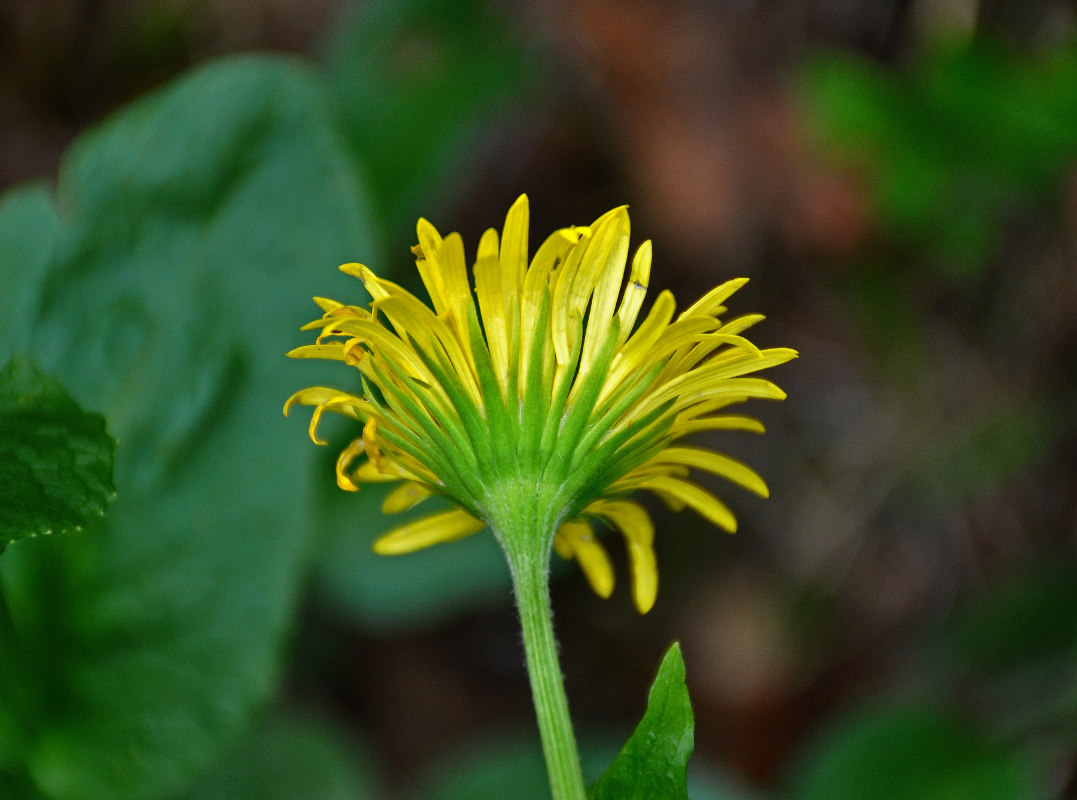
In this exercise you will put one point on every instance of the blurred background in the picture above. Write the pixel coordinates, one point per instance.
(899, 181)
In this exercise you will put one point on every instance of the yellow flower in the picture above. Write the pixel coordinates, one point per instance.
(540, 411)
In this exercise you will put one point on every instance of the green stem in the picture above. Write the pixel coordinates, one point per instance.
(529, 557)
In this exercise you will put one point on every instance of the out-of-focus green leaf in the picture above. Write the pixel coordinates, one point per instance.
(911, 754)
(416, 79)
(509, 766)
(55, 458)
(506, 765)
(397, 593)
(654, 761)
(29, 231)
(291, 759)
(1013, 650)
(194, 226)
(1030, 618)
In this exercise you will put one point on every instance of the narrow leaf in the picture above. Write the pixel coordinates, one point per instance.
(654, 761)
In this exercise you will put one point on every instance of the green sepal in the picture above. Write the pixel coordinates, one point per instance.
(512, 398)
(560, 394)
(613, 459)
(604, 418)
(430, 438)
(423, 451)
(653, 763)
(536, 390)
(469, 414)
(501, 430)
(55, 459)
(582, 406)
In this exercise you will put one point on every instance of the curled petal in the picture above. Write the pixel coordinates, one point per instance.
(370, 442)
(344, 461)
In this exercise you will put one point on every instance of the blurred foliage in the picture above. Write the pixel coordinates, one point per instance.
(912, 754)
(971, 132)
(416, 84)
(55, 459)
(288, 757)
(379, 594)
(986, 451)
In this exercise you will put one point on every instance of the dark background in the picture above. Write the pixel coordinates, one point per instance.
(903, 197)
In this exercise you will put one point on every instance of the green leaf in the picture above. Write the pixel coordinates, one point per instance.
(653, 763)
(29, 229)
(912, 754)
(55, 458)
(288, 758)
(195, 225)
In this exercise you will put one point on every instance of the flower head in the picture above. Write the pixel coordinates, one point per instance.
(544, 403)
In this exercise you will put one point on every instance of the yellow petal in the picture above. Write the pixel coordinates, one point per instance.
(591, 556)
(447, 526)
(635, 291)
(563, 545)
(726, 422)
(453, 267)
(630, 518)
(370, 442)
(490, 289)
(693, 496)
(429, 268)
(720, 465)
(563, 320)
(344, 461)
(606, 257)
(325, 399)
(405, 496)
(644, 568)
(709, 303)
(388, 472)
(513, 253)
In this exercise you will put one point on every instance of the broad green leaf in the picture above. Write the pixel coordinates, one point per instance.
(29, 229)
(55, 458)
(654, 761)
(194, 226)
(912, 754)
(288, 758)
